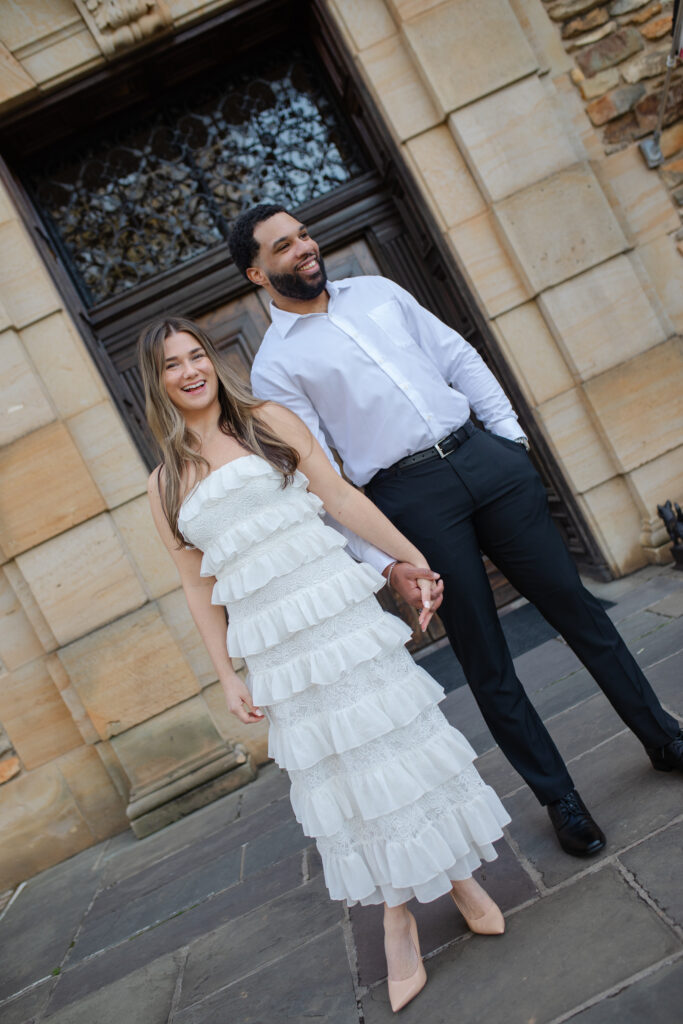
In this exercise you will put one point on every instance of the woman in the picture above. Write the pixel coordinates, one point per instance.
(379, 777)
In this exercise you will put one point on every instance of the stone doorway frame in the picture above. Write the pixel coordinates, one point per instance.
(384, 206)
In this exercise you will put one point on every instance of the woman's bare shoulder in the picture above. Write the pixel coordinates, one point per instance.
(155, 482)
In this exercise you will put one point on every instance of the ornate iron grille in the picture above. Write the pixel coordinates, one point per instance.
(150, 193)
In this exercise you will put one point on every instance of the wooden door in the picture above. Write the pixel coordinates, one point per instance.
(238, 326)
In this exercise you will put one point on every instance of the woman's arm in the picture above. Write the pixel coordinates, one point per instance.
(345, 503)
(209, 618)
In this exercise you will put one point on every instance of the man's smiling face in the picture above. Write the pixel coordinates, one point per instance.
(289, 258)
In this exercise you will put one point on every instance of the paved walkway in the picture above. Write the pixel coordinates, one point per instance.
(222, 918)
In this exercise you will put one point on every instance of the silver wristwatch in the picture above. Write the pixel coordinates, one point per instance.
(522, 440)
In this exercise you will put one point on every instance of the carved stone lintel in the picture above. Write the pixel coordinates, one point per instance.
(118, 25)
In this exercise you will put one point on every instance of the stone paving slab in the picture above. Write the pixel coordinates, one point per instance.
(273, 785)
(44, 918)
(130, 916)
(625, 795)
(143, 995)
(575, 731)
(248, 943)
(88, 976)
(667, 681)
(661, 643)
(551, 661)
(439, 922)
(188, 877)
(635, 592)
(190, 859)
(641, 624)
(563, 950)
(313, 983)
(274, 845)
(126, 855)
(671, 605)
(28, 1007)
(655, 999)
(658, 867)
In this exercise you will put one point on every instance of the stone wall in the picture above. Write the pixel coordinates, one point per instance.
(45, 43)
(107, 695)
(620, 50)
(570, 250)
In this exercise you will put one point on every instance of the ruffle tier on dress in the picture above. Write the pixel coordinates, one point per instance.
(379, 778)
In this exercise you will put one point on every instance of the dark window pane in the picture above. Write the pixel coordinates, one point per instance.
(147, 194)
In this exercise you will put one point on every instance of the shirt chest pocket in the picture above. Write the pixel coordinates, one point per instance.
(389, 317)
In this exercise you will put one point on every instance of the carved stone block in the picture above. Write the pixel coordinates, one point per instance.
(19, 642)
(36, 718)
(515, 137)
(46, 488)
(117, 25)
(397, 87)
(486, 264)
(136, 526)
(23, 404)
(560, 226)
(128, 672)
(468, 48)
(177, 762)
(638, 404)
(82, 579)
(110, 455)
(580, 450)
(448, 183)
(60, 358)
(602, 318)
(532, 351)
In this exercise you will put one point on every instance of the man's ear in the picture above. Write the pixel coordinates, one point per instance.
(256, 276)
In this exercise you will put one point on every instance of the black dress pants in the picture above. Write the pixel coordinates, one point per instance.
(487, 496)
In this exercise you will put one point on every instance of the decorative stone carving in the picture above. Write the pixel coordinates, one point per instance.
(119, 24)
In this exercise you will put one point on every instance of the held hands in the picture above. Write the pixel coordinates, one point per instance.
(419, 587)
(239, 701)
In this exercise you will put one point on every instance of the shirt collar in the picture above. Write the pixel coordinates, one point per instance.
(284, 321)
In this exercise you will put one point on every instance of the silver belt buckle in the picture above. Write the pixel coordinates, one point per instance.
(438, 448)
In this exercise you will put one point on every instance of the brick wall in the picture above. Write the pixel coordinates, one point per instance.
(619, 50)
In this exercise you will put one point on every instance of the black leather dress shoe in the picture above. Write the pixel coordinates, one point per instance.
(670, 757)
(577, 832)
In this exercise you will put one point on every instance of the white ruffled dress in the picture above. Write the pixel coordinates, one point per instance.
(379, 778)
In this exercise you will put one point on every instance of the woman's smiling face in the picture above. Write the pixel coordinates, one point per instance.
(189, 375)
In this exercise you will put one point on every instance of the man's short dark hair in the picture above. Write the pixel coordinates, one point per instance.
(243, 246)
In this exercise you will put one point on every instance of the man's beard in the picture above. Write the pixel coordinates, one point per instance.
(292, 286)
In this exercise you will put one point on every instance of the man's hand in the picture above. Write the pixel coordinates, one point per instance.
(404, 580)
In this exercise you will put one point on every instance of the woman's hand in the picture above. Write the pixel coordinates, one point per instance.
(239, 701)
(415, 589)
(426, 587)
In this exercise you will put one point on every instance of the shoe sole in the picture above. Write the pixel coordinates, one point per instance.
(590, 852)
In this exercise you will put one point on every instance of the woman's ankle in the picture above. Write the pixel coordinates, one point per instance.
(396, 917)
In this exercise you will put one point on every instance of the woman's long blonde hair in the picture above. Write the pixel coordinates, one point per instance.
(181, 461)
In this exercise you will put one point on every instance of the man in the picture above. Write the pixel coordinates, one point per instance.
(380, 379)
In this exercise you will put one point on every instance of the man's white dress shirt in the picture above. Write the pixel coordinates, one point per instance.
(377, 377)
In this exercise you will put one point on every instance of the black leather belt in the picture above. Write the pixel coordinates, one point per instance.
(440, 450)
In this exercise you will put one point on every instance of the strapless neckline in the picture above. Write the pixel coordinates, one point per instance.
(220, 469)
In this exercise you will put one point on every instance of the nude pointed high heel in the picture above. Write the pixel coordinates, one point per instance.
(491, 922)
(401, 992)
